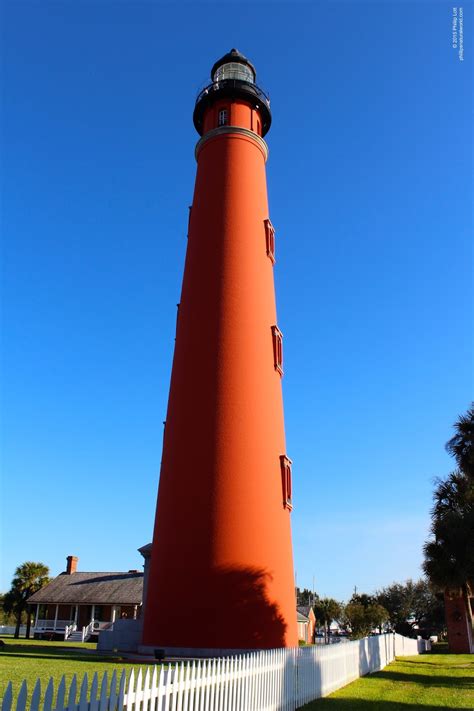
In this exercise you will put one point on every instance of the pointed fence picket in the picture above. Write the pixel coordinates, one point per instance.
(273, 680)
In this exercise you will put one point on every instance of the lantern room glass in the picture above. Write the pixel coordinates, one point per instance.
(234, 70)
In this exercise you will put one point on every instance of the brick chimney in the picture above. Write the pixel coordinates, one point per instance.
(71, 564)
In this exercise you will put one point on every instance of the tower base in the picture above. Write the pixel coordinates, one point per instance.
(460, 637)
(191, 652)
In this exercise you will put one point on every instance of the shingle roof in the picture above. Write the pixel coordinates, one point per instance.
(304, 610)
(146, 550)
(92, 588)
(300, 617)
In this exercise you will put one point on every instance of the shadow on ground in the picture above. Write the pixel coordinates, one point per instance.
(455, 682)
(329, 704)
(70, 654)
(67, 658)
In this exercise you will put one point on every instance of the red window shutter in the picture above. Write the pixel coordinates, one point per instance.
(277, 349)
(270, 240)
(285, 465)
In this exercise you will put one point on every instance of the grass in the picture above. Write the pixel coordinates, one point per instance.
(429, 682)
(29, 659)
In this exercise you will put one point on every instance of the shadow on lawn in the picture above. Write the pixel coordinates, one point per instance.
(329, 704)
(67, 654)
(455, 682)
(37, 650)
(440, 665)
(65, 657)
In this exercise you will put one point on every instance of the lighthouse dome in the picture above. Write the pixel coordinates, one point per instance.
(233, 65)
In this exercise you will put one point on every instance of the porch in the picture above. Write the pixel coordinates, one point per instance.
(78, 623)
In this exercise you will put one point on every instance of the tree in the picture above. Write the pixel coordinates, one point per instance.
(397, 600)
(449, 554)
(411, 605)
(305, 596)
(6, 618)
(461, 446)
(427, 607)
(363, 614)
(29, 578)
(326, 610)
(362, 619)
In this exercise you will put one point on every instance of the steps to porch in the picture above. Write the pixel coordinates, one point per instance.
(77, 637)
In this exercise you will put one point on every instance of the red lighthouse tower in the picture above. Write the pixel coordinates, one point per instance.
(221, 575)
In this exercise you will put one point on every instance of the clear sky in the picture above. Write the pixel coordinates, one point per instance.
(370, 189)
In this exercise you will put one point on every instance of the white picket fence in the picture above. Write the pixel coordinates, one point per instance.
(274, 680)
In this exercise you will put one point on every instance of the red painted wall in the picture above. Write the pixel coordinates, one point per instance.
(221, 568)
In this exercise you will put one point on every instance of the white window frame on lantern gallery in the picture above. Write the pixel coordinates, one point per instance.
(223, 117)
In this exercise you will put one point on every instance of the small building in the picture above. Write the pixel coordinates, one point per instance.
(459, 623)
(306, 623)
(76, 606)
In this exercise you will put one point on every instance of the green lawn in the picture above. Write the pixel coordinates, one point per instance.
(29, 659)
(429, 682)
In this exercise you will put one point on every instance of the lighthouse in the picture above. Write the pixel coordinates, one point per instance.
(221, 574)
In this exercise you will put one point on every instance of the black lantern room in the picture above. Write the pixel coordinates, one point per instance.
(233, 76)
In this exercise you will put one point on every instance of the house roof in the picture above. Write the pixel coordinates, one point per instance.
(304, 610)
(146, 550)
(92, 588)
(300, 617)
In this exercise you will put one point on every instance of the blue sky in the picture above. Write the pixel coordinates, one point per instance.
(370, 189)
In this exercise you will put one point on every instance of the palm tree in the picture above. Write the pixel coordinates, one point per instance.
(326, 610)
(449, 555)
(29, 578)
(461, 446)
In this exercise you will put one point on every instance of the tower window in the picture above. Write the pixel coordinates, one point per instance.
(223, 117)
(177, 319)
(285, 466)
(189, 217)
(270, 240)
(277, 349)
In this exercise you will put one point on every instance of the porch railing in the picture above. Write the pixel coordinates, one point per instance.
(87, 630)
(52, 625)
(69, 630)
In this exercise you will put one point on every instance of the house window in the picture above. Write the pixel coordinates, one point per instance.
(285, 466)
(277, 349)
(223, 117)
(270, 240)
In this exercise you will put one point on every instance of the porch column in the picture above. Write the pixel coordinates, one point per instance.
(76, 612)
(37, 614)
(114, 612)
(92, 613)
(55, 616)
(135, 608)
